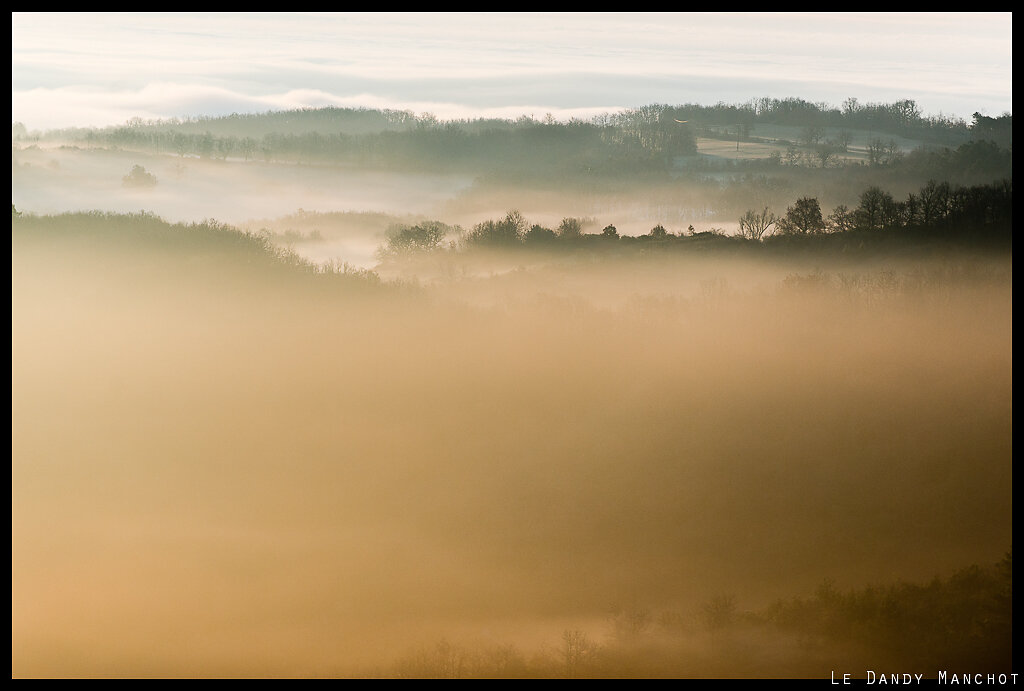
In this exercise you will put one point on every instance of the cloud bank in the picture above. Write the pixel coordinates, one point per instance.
(101, 69)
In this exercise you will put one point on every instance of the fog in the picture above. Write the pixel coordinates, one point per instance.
(647, 391)
(219, 471)
(324, 212)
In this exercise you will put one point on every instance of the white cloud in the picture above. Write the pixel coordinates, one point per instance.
(43, 109)
(104, 68)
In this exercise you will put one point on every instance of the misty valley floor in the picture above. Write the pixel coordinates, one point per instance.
(230, 475)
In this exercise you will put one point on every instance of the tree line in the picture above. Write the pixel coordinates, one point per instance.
(901, 118)
(971, 214)
(962, 623)
(635, 139)
(935, 206)
(641, 139)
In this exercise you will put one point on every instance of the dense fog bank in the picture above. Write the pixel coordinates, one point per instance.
(233, 463)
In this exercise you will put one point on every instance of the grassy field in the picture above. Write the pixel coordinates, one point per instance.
(764, 140)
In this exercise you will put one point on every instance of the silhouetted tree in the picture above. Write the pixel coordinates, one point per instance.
(803, 218)
(507, 232)
(883, 153)
(934, 202)
(539, 235)
(570, 228)
(840, 220)
(875, 209)
(422, 237)
(754, 224)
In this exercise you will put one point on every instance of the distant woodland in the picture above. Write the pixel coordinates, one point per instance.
(654, 139)
(979, 215)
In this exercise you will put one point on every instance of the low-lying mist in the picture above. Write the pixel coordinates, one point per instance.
(215, 473)
(57, 179)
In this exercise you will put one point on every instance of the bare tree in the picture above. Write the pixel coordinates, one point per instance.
(754, 224)
(811, 135)
(826, 154)
(843, 140)
(577, 652)
(840, 220)
(884, 153)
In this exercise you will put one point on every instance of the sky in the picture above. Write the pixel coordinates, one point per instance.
(98, 69)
